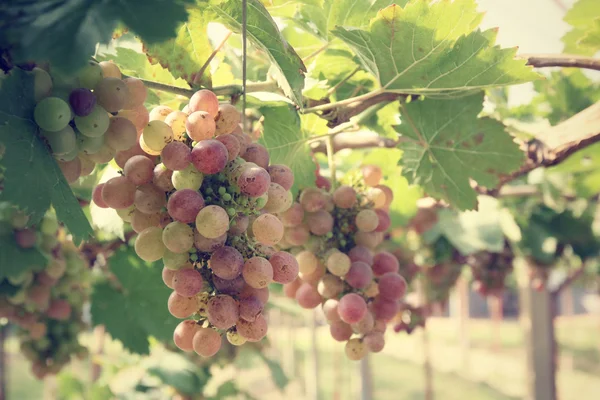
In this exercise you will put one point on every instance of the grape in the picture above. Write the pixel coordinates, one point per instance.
(42, 84)
(63, 141)
(59, 309)
(226, 262)
(184, 334)
(70, 169)
(90, 75)
(212, 222)
(52, 114)
(90, 145)
(187, 282)
(352, 308)
(372, 175)
(262, 294)
(207, 245)
(112, 94)
(232, 144)
(121, 134)
(209, 156)
(97, 196)
(308, 296)
(244, 140)
(227, 119)
(312, 199)
(359, 275)
(355, 349)
(176, 156)
(184, 205)
(374, 341)
(231, 287)
(370, 240)
(389, 195)
(279, 199)
(257, 154)
(344, 197)
(223, 311)
(293, 216)
(156, 135)
(330, 286)
(392, 286)
(177, 120)
(235, 338)
(180, 306)
(149, 245)
(267, 229)
(200, 126)
(149, 199)
(330, 310)
(290, 289)
(384, 220)
(366, 220)
(147, 150)
(340, 331)
(102, 156)
(253, 331)
(320, 222)
(82, 101)
(141, 221)
(206, 342)
(38, 331)
(239, 225)
(361, 253)
(384, 309)
(379, 326)
(87, 165)
(323, 183)
(254, 181)
(118, 192)
(110, 69)
(139, 170)
(122, 156)
(204, 100)
(257, 272)
(178, 237)
(25, 238)
(384, 262)
(94, 124)
(167, 277)
(188, 178)
(376, 196)
(250, 308)
(282, 175)
(371, 290)
(137, 93)
(338, 263)
(307, 261)
(285, 267)
(139, 116)
(39, 296)
(160, 113)
(162, 178)
(365, 325)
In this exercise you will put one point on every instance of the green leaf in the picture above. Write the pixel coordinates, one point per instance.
(263, 32)
(279, 377)
(136, 309)
(584, 38)
(185, 55)
(287, 142)
(32, 180)
(175, 370)
(65, 32)
(446, 145)
(16, 260)
(432, 49)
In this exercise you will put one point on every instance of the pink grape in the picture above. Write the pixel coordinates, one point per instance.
(293, 216)
(352, 308)
(344, 197)
(200, 126)
(70, 169)
(111, 94)
(307, 296)
(361, 253)
(392, 286)
(239, 225)
(267, 229)
(208, 245)
(206, 342)
(385, 262)
(176, 156)
(204, 100)
(162, 178)
(282, 175)
(180, 306)
(320, 222)
(253, 331)
(262, 294)
(210, 156)
(312, 199)
(226, 262)
(121, 134)
(323, 183)
(122, 156)
(330, 309)
(183, 335)
(372, 174)
(340, 331)
(257, 272)
(137, 93)
(187, 282)
(244, 140)
(149, 199)
(285, 267)
(384, 309)
(97, 196)
(141, 221)
(231, 287)
(184, 205)
(257, 154)
(250, 308)
(59, 309)
(118, 192)
(223, 311)
(290, 289)
(297, 235)
(25, 238)
(254, 181)
(138, 115)
(359, 275)
(139, 170)
(384, 220)
(167, 277)
(232, 144)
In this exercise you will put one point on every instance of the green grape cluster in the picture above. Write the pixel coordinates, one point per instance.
(334, 236)
(207, 207)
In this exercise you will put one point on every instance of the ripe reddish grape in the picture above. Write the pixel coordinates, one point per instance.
(70, 169)
(184, 205)
(138, 115)
(262, 294)
(285, 267)
(320, 222)
(312, 199)
(137, 93)
(340, 331)
(121, 134)
(239, 225)
(344, 197)
(330, 310)
(208, 245)
(167, 277)
(226, 262)
(291, 289)
(232, 144)
(204, 100)
(282, 175)
(359, 275)
(182, 307)
(293, 216)
(389, 195)
(361, 253)
(253, 331)
(352, 308)
(223, 311)
(375, 342)
(297, 235)
(139, 170)
(206, 342)
(176, 156)
(121, 157)
(250, 308)
(385, 262)
(254, 181)
(82, 101)
(392, 286)
(200, 126)
(307, 296)
(59, 309)
(384, 309)
(184, 334)
(209, 156)
(118, 192)
(187, 282)
(384, 220)
(323, 183)
(231, 287)
(257, 272)
(25, 238)
(257, 154)
(162, 178)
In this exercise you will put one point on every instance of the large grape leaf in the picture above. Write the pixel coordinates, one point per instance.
(32, 180)
(584, 38)
(263, 32)
(65, 32)
(432, 49)
(136, 306)
(445, 145)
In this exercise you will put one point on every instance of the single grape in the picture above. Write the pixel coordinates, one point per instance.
(338, 263)
(177, 120)
(227, 119)
(226, 262)
(290, 289)
(267, 229)
(232, 144)
(162, 178)
(204, 100)
(112, 94)
(147, 149)
(156, 135)
(188, 178)
(63, 141)
(384, 220)
(293, 216)
(365, 325)
(361, 253)
(141, 221)
(139, 170)
(376, 196)
(212, 221)
(355, 349)
(25, 238)
(184, 205)
(42, 84)
(330, 286)
(183, 335)
(257, 154)
(121, 157)
(352, 308)
(90, 75)
(231, 287)
(340, 331)
(320, 222)
(87, 165)
(389, 195)
(323, 183)
(38, 331)
(279, 199)
(254, 181)
(110, 69)
(308, 296)
(97, 196)
(149, 199)
(82, 101)
(89, 145)
(200, 126)
(187, 282)
(282, 175)
(366, 220)
(374, 341)
(244, 140)
(94, 124)
(239, 225)
(285, 267)
(149, 245)
(208, 245)
(257, 272)
(250, 308)
(182, 307)
(209, 156)
(52, 114)
(359, 275)
(253, 331)
(139, 116)
(371, 290)
(59, 309)
(159, 113)
(175, 261)
(223, 311)
(178, 237)
(176, 156)
(344, 197)
(137, 93)
(70, 169)
(330, 310)
(235, 338)
(385, 262)
(118, 192)
(307, 261)
(392, 286)
(372, 174)
(312, 199)
(384, 309)
(121, 134)
(102, 156)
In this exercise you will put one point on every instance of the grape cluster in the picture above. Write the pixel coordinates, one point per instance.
(46, 304)
(333, 236)
(207, 209)
(490, 271)
(89, 119)
(410, 318)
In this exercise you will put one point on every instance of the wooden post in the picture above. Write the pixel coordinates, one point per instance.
(463, 294)
(427, 369)
(495, 305)
(338, 380)
(366, 379)
(312, 364)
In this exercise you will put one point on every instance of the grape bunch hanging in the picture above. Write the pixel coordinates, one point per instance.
(334, 236)
(203, 199)
(490, 271)
(44, 301)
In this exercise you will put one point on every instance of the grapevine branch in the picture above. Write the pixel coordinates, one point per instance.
(573, 276)
(562, 60)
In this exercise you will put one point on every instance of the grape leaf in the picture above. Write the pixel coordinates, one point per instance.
(138, 308)
(263, 32)
(446, 144)
(431, 49)
(32, 179)
(584, 38)
(16, 260)
(287, 141)
(65, 32)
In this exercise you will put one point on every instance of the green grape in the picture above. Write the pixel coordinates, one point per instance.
(90, 75)
(61, 142)
(95, 124)
(157, 134)
(52, 114)
(235, 338)
(178, 237)
(104, 155)
(49, 225)
(42, 84)
(175, 261)
(90, 145)
(149, 244)
(70, 156)
(126, 213)
(189, 178)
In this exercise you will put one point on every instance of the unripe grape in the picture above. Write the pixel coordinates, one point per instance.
(200, 126)
(178, 237)
(338, 263)
(355, 349)
(267, 229)
(175, 261)
(257, 272)
(177, 120)
(212, 222)
(121, 134)
(374, 341)
(87, 165)
(235, 338)
(188, 178)
(204, 100)
(90, 75)
(112, 94)
(90, 145)
(156, 135)
(307, 261)
(52, 114)
(227, 119)
(97, 196)
(149, 245)
(160, 113)
(94, 124)
(385, 262)
(42, 84)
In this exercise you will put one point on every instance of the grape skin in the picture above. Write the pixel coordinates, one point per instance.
(212, 222)
(352, 308)
(253, 331)
(257, 272)
(359, 275)
(282, 175)
(206, 342)
(257, 154)
(160, 113)
(250, 308)
(184, 334)
(177, 120)
(121, 134)
(355, 349)
(285, 267)
(307, 296)
(184, 205)
(52, 114)
(178, 237)
(182, 307)
(223, 311)
(149, 199)
(118, 192)
(232, 144)
(254, 181)
(392, 286)
(139, 170)
(268, 229)
(204, 100)
(149, 244)
(187, 282)
(385, 262)
(208, 245)
(227, 119)
(176, 156)
(141, 221)
(226, 262)
(209, 156)
(112, 94)
(200, 126)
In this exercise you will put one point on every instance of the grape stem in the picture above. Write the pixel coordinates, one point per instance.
(331, 160)
(198, 78)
